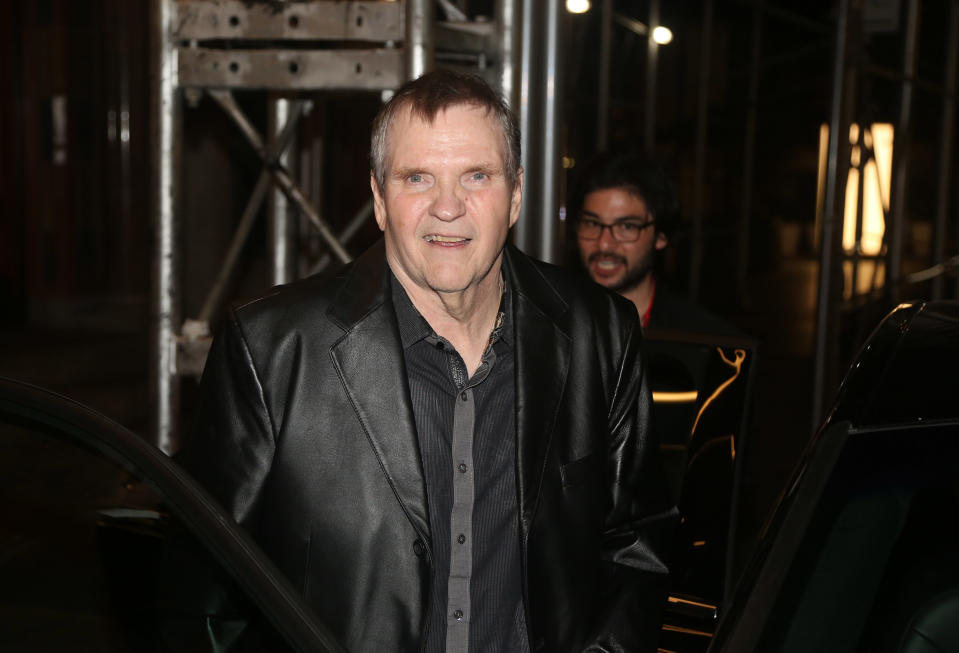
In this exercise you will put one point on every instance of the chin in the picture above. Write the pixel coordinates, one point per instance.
(448, 284)
(609, 283)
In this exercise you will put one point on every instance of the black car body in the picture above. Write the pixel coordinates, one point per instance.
(862, 554)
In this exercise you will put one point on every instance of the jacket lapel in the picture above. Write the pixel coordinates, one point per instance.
(369, 361)
(542, 364)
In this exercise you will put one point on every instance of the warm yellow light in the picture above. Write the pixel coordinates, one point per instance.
(577, 6)
(663, 397)
(876, 170)
(876, 177)
(662, 35)
(881, 135)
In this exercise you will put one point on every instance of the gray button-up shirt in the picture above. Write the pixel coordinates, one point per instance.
(467, 436)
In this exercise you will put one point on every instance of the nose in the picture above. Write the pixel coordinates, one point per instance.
(449, 202)
(606, 240)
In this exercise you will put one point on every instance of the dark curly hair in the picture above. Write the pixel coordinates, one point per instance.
(635, 172)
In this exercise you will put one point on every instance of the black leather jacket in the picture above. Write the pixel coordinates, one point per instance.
(306, 435)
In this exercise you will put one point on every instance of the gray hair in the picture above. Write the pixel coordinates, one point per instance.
(436, 91)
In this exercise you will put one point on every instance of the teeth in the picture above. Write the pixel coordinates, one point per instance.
(607, 265)
(434, 238)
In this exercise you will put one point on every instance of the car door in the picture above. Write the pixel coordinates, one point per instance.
(106, 545)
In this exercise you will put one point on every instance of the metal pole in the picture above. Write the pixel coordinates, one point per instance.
(215, 296)
(699, 183)
(945, 154)
(605, 47)
(901, 153)
(547, 248)
(164, 163)
(749, 152)
(419, 37)
(832, 216)
(540, 111)
(278, 217)
(507, 21)
(652, 58)
(526, 110)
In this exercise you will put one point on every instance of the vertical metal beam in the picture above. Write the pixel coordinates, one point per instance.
(605, 47)
(526, 110)
(836, 163)
(699, 175)
(164, 163)
(945, 153)
(508, 29)
(548, 248)
(419, 37)
(749, 153)
(279, 221)
(901, 153)
(541, 95)
(652, 63)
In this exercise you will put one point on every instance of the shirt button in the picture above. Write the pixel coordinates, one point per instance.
(462, 467)
(458, 615)
(461, 538)
(463, 395)
(418, 548)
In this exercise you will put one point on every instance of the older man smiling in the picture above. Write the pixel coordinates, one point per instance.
(446, 444)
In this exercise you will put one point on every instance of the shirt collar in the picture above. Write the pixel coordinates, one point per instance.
(413, 326)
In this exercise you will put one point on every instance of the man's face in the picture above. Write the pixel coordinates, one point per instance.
(618, 265)
(446, 205)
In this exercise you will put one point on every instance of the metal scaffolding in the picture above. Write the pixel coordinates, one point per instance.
(219, 47)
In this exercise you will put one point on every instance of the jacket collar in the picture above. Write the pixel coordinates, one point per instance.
(369, 361)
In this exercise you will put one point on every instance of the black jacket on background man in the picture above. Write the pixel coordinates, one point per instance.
(306, 435)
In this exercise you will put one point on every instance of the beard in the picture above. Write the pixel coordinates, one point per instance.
(634, 275)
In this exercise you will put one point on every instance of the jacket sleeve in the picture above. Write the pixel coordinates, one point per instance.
(641, 520)
(230, 447)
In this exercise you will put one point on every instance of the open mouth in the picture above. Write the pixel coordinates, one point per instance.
(606, 262)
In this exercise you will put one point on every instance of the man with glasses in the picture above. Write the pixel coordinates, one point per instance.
(624, 211)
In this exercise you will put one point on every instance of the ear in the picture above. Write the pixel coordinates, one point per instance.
(379, 205)
(516, 203)
(661, 240)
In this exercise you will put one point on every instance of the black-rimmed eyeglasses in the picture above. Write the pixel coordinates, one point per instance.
(627, 231)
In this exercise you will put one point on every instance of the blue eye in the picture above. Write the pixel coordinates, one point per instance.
(415, 178)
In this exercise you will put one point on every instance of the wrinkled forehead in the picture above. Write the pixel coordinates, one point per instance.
(482, 127)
